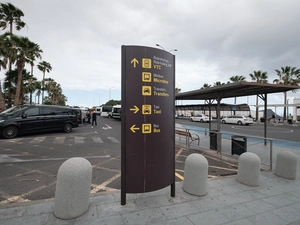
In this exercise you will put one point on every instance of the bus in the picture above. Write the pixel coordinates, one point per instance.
(106, 110)
(116, 112)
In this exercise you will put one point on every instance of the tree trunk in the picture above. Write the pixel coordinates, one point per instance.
(2, 102)
(30, 98)
(43, 87)
(18, 88)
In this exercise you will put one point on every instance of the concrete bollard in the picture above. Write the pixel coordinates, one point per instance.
(72, 194)
(249, 169)
(195, 175)
(286, 165)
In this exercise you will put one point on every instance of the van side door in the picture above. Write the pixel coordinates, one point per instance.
(48, 114)
(30, 120)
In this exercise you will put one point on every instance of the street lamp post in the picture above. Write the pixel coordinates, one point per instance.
(99, 98)
(175, 50)
(109, 88)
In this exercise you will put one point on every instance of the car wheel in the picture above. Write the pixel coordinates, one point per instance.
(68, 128)
(10, 132)
(201, 121)
(223, 121)
(191, 120)
(239, 123)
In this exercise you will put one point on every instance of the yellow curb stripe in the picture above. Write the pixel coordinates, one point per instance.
(179, 176)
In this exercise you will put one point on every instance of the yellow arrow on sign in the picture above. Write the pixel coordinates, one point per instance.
(133, 128)
(135, 109)
(134, 61)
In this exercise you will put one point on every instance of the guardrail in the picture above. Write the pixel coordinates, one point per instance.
(253, 144)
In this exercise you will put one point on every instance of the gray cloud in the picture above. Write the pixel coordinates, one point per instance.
(215, 39)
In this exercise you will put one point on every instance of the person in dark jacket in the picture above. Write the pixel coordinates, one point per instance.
(88, 115)
(94, 118)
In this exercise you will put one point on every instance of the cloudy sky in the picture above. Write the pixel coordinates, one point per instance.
(215, 40)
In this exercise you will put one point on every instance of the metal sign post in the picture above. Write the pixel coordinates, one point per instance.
(148, 120)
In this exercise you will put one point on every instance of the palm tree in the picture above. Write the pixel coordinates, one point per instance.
(235, 79)
(259, 77)
(2, 102)
(10, 15)
(38, 88)
(288, 76)
(205, 85)
(55, 96)
(29, 85)
(177, 90)
(44, 67)
(24, 51)
(219, 83)
(10, 82)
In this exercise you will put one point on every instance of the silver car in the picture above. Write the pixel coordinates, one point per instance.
(240, 120)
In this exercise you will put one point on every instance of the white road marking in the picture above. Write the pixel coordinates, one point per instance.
(59, 140)
(114, 140)
(107, 127)
(8, 158)
(281, 130)
(97, 140)
(79, 140)
(37, 140)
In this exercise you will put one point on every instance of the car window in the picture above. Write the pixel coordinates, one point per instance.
(65, 112)
(32, 112)
(47, 112)
(13, 110)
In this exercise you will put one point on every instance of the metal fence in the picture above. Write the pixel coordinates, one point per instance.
(232, 144)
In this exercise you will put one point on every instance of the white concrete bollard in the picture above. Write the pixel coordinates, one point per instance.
(72, 194)
(286, 165)
(249, 169)
(195, 175)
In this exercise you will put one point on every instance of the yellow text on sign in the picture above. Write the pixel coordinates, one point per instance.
(146, 77)
(146, 109)
(146, 90)
(146, 63)
(146, 128)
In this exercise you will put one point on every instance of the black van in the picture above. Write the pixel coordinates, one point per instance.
(35, 118)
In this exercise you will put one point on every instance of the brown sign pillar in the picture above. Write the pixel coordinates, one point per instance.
(148, 120)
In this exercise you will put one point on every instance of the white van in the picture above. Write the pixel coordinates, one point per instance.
(98, 110)
(116, 112)
(106, 111)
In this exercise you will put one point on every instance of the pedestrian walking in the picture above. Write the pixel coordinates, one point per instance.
(290, 119)
(94, 118)
(88, 115)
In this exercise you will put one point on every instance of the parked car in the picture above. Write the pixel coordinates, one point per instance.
(36, 118)
(200, 118)
(240, 120)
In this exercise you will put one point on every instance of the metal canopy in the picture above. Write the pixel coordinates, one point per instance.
(234, 90)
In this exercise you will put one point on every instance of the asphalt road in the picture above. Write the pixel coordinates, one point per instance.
(280, 132)
(29, 164)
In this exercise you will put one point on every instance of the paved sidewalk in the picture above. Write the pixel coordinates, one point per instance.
(275, 201)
